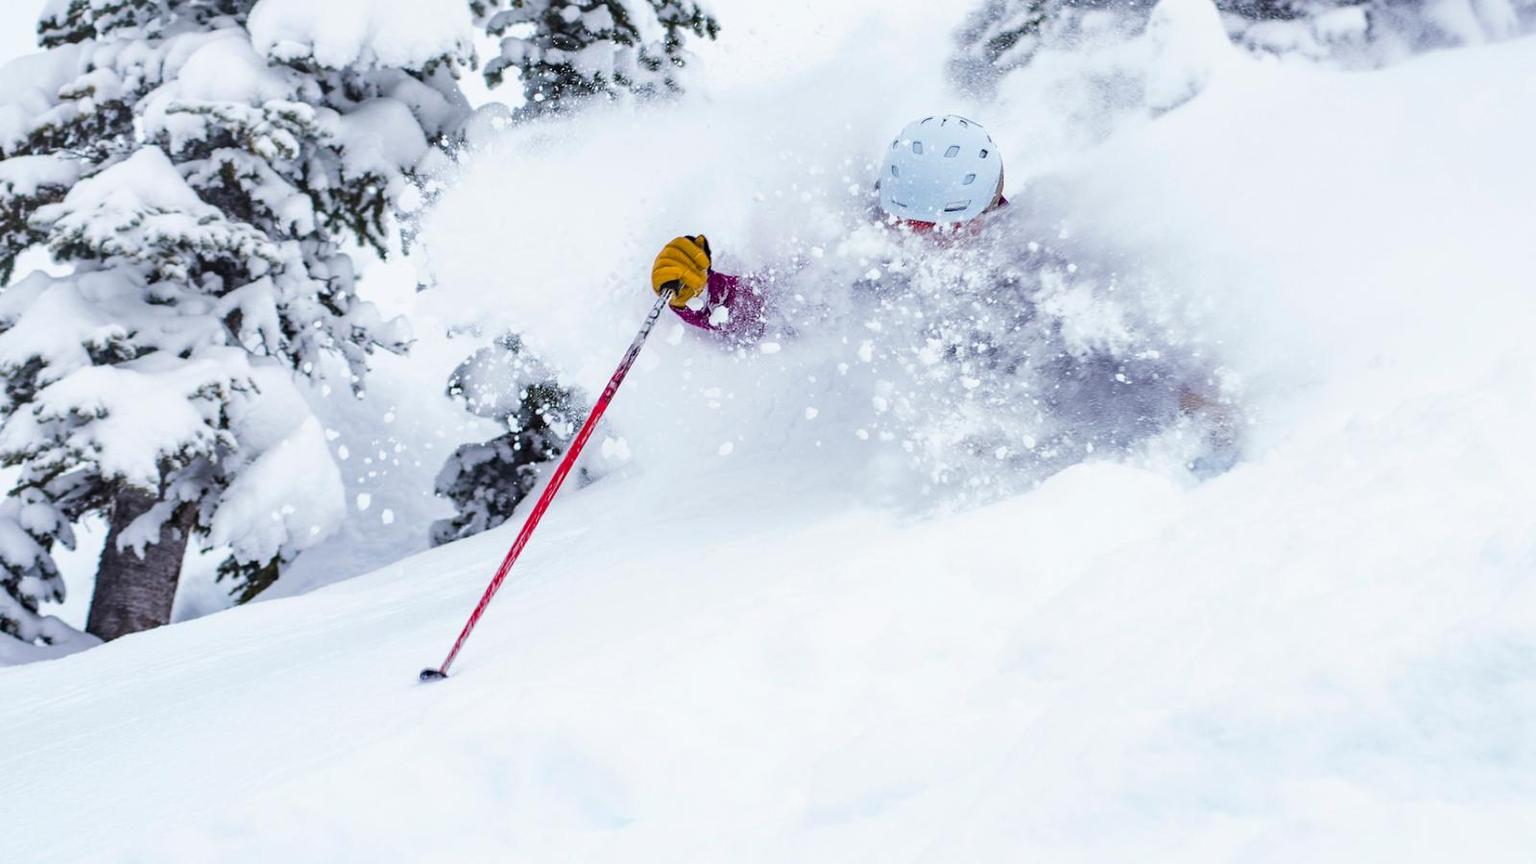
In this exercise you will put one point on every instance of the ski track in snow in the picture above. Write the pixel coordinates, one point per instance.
(1324, 655)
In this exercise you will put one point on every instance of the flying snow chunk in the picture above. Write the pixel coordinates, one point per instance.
(616, 449)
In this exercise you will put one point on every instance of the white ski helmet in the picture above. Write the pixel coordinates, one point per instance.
(940, 169)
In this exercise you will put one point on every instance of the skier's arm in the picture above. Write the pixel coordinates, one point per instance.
(707, 299)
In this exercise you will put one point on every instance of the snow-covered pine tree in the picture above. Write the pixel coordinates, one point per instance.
(486, 480)
(200, 166)
(1371, 32)
(566, 51)
(1002, 35)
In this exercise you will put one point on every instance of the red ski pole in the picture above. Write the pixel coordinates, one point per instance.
(555, 480)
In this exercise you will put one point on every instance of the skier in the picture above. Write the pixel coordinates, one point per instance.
(942, 177)
(939, 174)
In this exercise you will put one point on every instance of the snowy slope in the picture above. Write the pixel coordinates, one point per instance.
(1323, 655)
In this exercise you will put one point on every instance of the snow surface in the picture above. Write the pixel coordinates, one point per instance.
(742, 653)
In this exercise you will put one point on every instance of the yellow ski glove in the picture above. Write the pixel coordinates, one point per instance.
(684, 265)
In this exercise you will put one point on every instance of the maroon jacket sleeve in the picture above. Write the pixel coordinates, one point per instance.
(733, 307)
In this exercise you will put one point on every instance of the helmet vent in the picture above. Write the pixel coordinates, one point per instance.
(956, 206)
(952, 152)
(969, 178)
(896, 172)
(917, 147)
(985, 153)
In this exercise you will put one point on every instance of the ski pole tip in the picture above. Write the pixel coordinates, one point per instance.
(432, 675)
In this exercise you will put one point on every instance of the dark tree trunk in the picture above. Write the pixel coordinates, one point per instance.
(134, 593)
